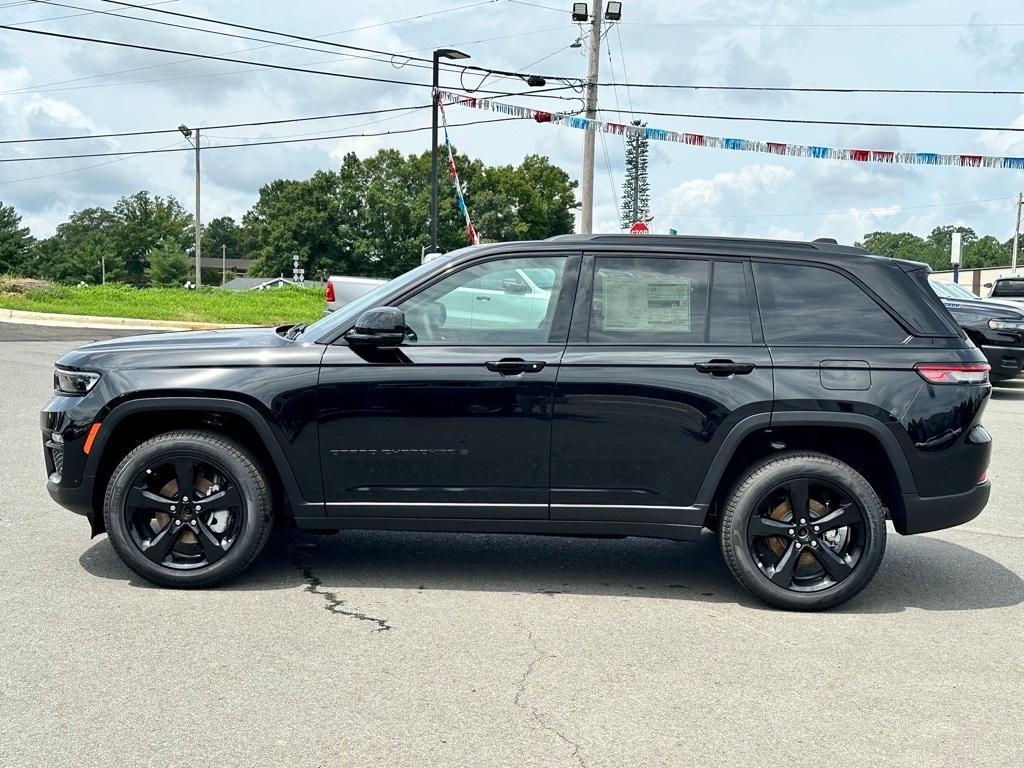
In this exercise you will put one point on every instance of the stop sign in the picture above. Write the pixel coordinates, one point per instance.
(639, 228)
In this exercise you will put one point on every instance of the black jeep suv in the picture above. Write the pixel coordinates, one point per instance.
(790, 396)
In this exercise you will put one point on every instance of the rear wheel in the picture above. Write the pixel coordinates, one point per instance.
(188, 509)
(803, 531)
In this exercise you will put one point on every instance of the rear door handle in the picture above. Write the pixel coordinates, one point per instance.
(510, 366)
(724, 368)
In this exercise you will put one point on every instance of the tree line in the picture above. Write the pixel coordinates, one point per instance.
(934, 250)
(369, 217)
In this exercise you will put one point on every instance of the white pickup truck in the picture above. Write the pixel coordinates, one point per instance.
(342, 289)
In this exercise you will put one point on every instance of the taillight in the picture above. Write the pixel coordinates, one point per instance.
(329, 293)
(954, 373)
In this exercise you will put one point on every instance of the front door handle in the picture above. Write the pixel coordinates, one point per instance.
(510, 366)
(724, 368)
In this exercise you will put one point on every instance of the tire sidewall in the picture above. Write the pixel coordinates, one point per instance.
(248, 479)
(761, 481)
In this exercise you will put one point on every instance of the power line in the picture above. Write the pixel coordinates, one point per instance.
(245, 144)
(826, 25)
(267, 65)
(38, 87)
(251, 124)
(304, 38)
(814, 89)
(802, 121)
(88, 12)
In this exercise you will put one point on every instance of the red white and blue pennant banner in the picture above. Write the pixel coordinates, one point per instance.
(742, 145)
(453, 172)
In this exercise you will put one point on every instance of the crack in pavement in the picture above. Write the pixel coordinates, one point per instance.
(334, 604)
(534, 712)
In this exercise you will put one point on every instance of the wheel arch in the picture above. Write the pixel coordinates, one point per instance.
(131, 423)
(861, 441)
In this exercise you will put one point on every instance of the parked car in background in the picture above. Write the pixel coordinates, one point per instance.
(789, 396)
(341, 290)
(1008, 288)
(995, 327)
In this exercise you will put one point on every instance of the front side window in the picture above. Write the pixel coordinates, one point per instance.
(655, 301)
(508, 301)
(803, 304)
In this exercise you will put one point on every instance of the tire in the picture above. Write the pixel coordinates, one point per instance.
(815, 559)
(166, 536)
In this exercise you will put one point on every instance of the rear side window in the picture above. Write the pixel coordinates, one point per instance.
(817, 306)
(658, 301)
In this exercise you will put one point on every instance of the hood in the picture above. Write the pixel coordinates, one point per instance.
(1003, 310)
(230, 347)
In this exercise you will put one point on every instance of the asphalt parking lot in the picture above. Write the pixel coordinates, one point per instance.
(394, 649)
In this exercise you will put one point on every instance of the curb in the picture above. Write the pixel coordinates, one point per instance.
(95, 321)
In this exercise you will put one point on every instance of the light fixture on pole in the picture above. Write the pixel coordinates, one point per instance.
(613, 12)
(454, 55)
(187, 133)
(579, 12)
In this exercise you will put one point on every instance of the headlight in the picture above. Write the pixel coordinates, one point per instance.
(74, 382)
(1006, 325)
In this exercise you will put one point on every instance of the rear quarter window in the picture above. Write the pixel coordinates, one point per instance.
(809, 305)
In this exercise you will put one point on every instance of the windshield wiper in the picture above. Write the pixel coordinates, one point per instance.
(295, 330)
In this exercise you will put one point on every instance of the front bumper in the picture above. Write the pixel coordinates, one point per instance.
(921, 514)
(1006, 362)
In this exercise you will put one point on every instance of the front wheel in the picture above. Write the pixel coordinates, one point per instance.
(803, 531)
(188, 509)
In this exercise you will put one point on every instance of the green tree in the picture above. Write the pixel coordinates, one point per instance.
(224, 233)
(636, 189)
(896, 245)
(15, 240)
(371, 216)
(986, 251)
(79, 249)
(141, 222)
(168, 264)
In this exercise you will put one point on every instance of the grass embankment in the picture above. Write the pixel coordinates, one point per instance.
(276, 306)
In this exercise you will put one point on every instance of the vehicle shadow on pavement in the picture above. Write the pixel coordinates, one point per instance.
(919, 572)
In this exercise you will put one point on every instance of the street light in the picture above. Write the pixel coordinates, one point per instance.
(187, 133)
(440, 53)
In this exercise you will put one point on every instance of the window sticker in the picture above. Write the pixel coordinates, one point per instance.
(631, 303)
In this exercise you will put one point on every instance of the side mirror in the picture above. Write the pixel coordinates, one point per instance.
(515, 287)
(988, 285)
(380, 327)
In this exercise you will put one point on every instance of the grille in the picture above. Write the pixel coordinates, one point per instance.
(58, 460)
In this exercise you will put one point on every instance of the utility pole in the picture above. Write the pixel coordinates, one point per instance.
(590, 104)
(187, 133)
(1016, 234)
(223, 263)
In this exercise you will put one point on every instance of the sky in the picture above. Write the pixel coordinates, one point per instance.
(55, 87)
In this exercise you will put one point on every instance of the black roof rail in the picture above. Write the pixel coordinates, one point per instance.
(751, 243)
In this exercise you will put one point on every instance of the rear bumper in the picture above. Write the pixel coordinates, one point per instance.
(1006, 362)
(921, 514)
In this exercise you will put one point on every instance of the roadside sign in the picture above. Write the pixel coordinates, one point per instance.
(639, 228)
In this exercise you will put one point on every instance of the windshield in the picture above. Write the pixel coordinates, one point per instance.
(543, 278)
(351, 311)
(940, 289)
(1008, 288)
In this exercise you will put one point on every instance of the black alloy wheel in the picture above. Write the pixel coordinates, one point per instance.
(188, 509)
(184, 512)
(803, 531)
(806, 535)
